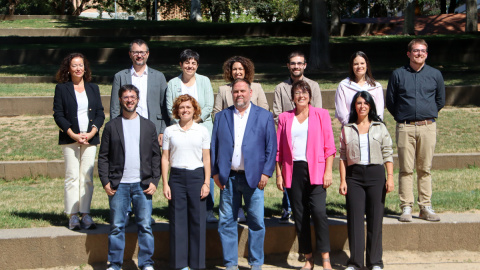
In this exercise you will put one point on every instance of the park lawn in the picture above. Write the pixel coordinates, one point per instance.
(35, 137)
(455, 190)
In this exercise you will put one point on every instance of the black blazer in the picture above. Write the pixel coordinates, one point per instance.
(111, 158)
(65, 111)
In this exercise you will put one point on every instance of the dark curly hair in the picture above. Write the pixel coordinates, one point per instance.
(246, 63)
(183, 98)
(63, 74)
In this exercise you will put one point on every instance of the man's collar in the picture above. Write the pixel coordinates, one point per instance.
(134, 73)
(247, 111)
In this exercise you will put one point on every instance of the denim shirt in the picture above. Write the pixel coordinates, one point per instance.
(379, 143)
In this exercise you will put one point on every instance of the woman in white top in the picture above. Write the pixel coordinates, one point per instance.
(365, 148)
(238, 67)
(186, 153)
(360, 79)
(78, 112)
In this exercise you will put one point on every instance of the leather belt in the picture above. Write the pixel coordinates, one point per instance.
(238, 171)
(419, 123)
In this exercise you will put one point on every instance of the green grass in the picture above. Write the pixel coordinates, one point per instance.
(39, 89)
(35, 137)
(453, 190)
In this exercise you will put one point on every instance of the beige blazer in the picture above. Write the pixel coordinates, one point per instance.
(224, 97)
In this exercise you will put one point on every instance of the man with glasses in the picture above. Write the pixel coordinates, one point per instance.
(129, 169)
(415, 95)
(283, 101)
(150, 82)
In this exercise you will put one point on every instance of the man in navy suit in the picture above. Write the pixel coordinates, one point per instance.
(129, 169)
(243, 151)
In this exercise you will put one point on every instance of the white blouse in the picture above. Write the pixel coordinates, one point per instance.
(82, 110)
(186, 146)
(299, 139)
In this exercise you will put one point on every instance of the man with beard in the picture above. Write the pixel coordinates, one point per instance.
(283, 102)
(243, 152)
(415, 95)
(129, 169)
(151, 84)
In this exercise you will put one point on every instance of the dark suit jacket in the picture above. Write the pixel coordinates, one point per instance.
(111, 158)
(259, 146)
(156, 97)
(65, 111)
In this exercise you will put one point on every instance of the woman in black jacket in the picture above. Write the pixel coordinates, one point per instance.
(78, 112)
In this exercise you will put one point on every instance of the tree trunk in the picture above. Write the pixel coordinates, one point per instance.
(335, 20)
(409, 18)
(196, 11)
(472, 16)
(304, 13)
(78, 7)
(319, 52)
(12, 4)
(443, 6)
(452, 6)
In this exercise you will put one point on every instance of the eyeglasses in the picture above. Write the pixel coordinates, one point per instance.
(141, 53)
(297, 63)
(126, 98)
(419, 51)
(299, 93)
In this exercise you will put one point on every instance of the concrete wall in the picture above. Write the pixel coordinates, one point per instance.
(11, 106)
(58, 246)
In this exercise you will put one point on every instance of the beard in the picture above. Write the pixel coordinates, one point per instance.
(125, 108)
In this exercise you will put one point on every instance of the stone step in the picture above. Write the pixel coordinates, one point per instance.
(13, 106)
(11, 170)
(57, 246)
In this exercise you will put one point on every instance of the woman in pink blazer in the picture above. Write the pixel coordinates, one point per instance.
(305, 153)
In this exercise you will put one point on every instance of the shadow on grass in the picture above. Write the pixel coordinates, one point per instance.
(56, 219)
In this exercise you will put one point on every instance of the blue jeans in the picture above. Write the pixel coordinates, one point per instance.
(230, 201)
(286, 201)
(142, 207)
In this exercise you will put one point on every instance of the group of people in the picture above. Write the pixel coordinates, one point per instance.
(238, 148)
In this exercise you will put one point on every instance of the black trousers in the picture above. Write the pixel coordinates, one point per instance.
(306, 200)
(187, 218)
(365, 196)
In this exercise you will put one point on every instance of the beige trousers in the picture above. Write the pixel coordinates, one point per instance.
(79, 163)
(416, 145)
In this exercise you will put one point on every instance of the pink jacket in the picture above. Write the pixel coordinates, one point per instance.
(320, 144)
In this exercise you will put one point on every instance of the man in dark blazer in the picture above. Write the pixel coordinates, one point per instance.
(152, 104)
(243, 151)
(129, 169)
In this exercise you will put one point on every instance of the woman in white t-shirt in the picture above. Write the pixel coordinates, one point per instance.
(78, 113)
(186, 153)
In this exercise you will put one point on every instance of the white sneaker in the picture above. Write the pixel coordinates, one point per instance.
(87, 222)
(241, 216)
(350, 268)
(74, 223)
(211, 217)
(427, 213)
(406, 214)
(376, 267)
(148, 268)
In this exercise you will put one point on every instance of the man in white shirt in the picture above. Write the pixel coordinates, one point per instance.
(151, 84)
(243, 152)
(129, 169)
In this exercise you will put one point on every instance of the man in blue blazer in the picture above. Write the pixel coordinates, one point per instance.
(150, 82)
(243, 152)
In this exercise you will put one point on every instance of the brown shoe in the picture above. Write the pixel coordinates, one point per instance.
(427, 213)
